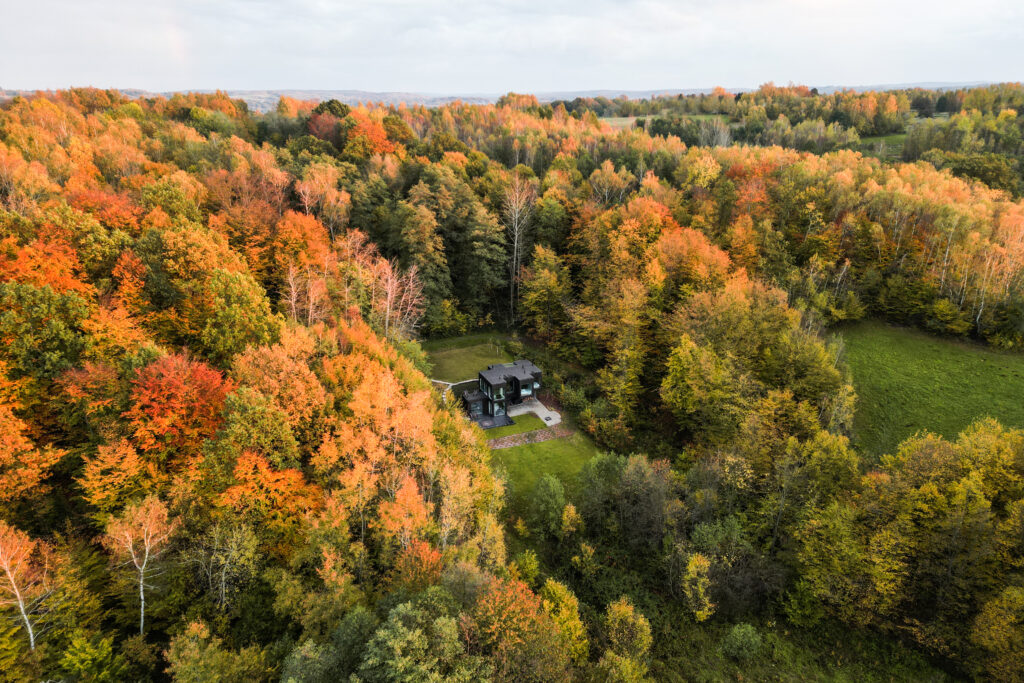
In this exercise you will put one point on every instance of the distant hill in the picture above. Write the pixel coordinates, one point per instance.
(266, 100)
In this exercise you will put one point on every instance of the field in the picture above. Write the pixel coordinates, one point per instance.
(460, 358)
(525, 464)
(886, 147)
(624, 122)
(908, 381)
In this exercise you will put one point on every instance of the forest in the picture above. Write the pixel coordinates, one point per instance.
(222, 456)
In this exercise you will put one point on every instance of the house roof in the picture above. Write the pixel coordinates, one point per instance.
(523, 370)
(473, 395)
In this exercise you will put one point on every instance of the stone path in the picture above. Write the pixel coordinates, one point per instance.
(536, 436)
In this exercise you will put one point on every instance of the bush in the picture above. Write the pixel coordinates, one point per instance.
(742, 642)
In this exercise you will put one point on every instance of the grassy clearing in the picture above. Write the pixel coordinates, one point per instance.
(520, 424)
(623, 122)
(908, 381)
(825, 654)
(460, 358)
(525, 464)
(885, 147)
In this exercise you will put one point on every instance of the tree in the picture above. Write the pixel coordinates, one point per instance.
(196, 656)
(696, 587)
(224, 557)
(547, 503)
(563, 608)
(23, 467)
(406, 517)
(545, 295)
(629, 641)
(139, 536)
(419, 642)
(115, 475)
(27, 584)
(517, 205)
(176, 405)
(702, 392)
(999, 631)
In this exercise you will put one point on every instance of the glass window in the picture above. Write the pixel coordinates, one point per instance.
(527, 389)
(499, 409)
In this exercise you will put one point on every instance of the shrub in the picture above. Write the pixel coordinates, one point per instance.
(742, 642)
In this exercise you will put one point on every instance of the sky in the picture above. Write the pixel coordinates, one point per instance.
(485, 47)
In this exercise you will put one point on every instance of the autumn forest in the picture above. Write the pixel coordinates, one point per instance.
(223, 457)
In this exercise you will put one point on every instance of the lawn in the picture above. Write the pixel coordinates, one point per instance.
(525, 464)
(520, 424)
(908, 381)
(460, 358)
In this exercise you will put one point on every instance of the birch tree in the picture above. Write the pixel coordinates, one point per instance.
(26, 584)
(520, 196)
(139, 537)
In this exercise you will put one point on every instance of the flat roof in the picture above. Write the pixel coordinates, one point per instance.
(520, 369)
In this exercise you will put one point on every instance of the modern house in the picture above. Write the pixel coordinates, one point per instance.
(498, 387)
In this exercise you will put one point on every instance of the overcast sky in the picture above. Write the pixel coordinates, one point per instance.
(481, 46)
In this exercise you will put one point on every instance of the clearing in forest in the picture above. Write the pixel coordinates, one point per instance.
(461, 358)
(909, 381)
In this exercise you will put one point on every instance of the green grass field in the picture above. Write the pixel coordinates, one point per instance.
(886, 147)
(520, 424)
(460, 358)
(525, 464)
(909, 381)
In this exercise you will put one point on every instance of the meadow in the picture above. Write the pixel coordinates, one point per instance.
(909, 381)
(524, 465)
(460, 358)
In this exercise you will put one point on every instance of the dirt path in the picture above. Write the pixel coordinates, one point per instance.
(536, 436)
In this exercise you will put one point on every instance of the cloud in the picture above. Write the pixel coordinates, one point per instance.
(468, 46)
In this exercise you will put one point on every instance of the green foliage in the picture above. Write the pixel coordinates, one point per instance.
(706, 397)
(92, 659)
(196, 656)
(41, 329)
(419, 641)
(742, 643)
(546, 504)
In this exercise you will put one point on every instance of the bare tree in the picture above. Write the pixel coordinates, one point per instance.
(26, 583)
(224, 557)
(396, 298)
(520, 196)
(140, 535)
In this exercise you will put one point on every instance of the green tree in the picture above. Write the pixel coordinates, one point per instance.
(546, 504)
(702, 391)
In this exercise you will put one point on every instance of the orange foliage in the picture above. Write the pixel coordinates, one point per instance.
(41, 263)
(110, 208)
(278, 499)
(418, 566)
(115, 475)
(505, 614)
(405, 518)
(23, 466)
(176, 404)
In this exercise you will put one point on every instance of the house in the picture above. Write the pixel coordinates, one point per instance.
(498, 387)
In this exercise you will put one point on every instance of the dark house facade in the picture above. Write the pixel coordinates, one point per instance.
(501, 386)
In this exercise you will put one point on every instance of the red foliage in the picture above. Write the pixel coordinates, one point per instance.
(111, 209)
(177, 404)
(419, 566)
